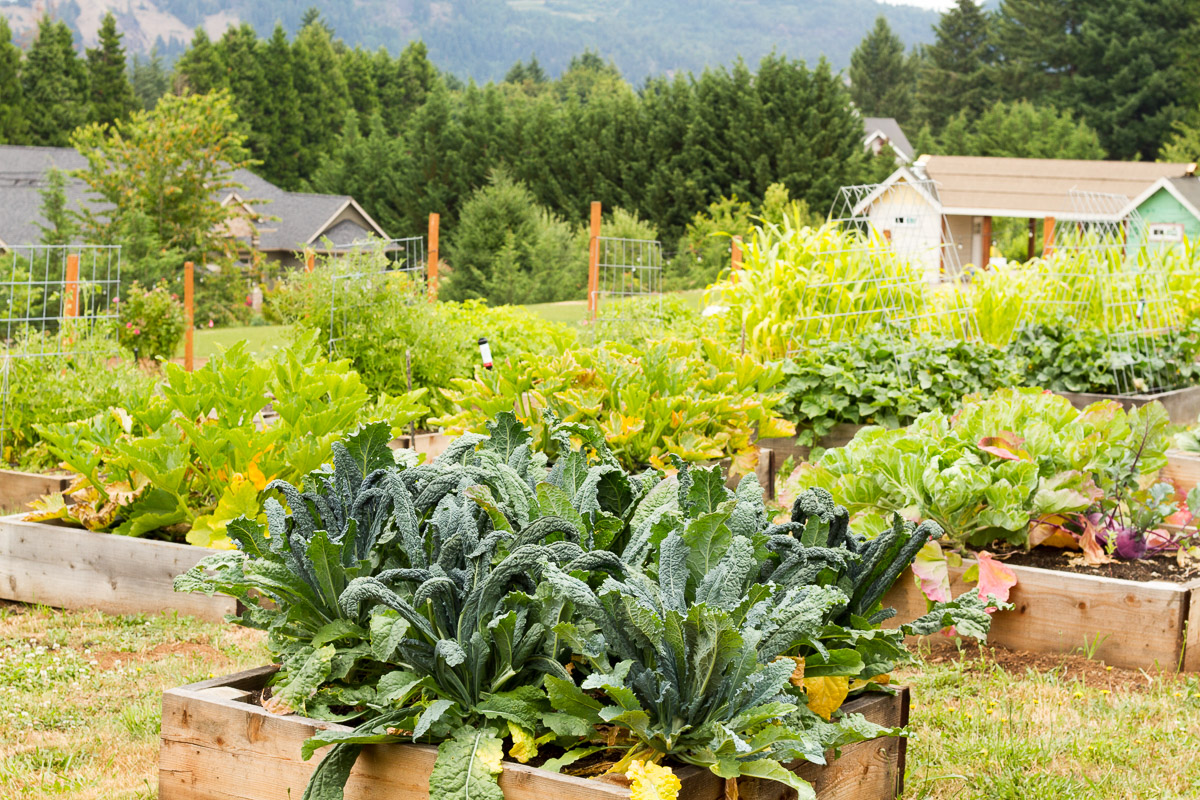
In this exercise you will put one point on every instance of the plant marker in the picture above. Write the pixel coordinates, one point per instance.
(485, 352)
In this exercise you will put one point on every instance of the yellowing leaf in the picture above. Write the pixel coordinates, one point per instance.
(652, 782)
(774, 428)
(797, 678)
(51, 506)
(255, 476)
(826, 695)
(240, 498)
(524, 745)
(882, 680)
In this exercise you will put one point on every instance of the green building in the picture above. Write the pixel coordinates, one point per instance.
(1171, 210)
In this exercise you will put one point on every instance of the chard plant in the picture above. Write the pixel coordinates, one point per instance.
(491, 601)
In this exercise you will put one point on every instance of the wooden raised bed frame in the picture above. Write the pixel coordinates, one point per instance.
(18, 489)
(218, 744)
(1182, 470)
(68, 567)
(1182, 405)
(1134, 624)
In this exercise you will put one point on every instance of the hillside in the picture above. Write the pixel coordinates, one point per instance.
(482, 38)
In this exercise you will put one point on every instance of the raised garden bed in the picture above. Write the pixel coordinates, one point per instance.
(1125, 623)
(18, 489)
(431, 444)
(217, 742)
(67, 567)
(839, 436)
(1182, 405)
(1182, 471)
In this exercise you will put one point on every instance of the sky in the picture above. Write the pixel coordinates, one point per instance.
(935, 5)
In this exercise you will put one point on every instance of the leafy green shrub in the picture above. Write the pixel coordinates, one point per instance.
(877, 380)
(489, 597)
(221, 297)
(1071, 357)
(196, 453)
(151, 321)
(698, 400)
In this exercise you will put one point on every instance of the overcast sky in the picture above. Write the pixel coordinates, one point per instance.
(936, 5)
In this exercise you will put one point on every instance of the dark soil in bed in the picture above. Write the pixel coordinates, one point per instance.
(1159, 568)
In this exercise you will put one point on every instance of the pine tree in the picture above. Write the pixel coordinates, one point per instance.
(111, 95)
(956, 75)
(60, 226)
(149, 79)
(321, 87)
(404, 83)
(1038, 41)
(281, 164)
(54, 85)
(239, 50)
(200, 69)
(12, 112)
(880, 75)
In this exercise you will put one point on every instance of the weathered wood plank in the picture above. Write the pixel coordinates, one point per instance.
(785, 446)
(18, 489)
(1182, 405)
(216, 747)
(72, 568)
(1126, 623)
(1182, 471)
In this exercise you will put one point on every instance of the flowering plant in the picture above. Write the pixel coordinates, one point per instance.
(151, 321)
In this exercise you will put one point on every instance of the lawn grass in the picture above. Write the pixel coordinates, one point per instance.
(263, 340)
(80, 696)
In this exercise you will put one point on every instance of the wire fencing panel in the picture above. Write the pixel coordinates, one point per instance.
(629, 287)
(56, 302)
(363, 273)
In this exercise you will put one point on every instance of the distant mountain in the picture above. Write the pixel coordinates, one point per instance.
(481, 39)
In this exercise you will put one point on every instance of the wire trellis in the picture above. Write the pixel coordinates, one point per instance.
(1105, 274)
(884, 262)
(365, 270)
(629, 286)
(56, 301)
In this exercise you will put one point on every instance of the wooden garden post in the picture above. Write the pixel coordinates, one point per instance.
(189, 315)
(71, 289)
(735, 253)
(594, 260)
(434, 222)
(1048, 237)
(310, 259)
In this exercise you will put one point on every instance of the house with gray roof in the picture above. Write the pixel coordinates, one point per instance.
(881, 131)
(285, 223)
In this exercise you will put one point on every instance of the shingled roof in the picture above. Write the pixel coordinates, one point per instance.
(289, 221)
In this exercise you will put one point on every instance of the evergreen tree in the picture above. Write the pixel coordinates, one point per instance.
(522, 73)
(200, 69)
(281, 164)
(54, 85)
(404, 83)
(111, 94)
(321, 88)
(1037, 40)
(358, 68)
(149, 79)
(253, 93)
(1184, 143)
(12, 111)
(60, 226)
(880, 74)
(1020, 130)
(955, 75)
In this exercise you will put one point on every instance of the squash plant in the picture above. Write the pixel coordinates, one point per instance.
(698, 400)
(196, 453)
(491, 598)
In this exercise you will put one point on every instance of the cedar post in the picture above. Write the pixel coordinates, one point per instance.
(987, 243)
(189, 315)
(1048, 237)
(71, 289)
(1032, 235)
(310, 259)
(594, 261)
(434, 221)
(736, 258)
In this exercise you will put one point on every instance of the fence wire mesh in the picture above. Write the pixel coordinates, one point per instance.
(361, 272)
(628, 287)
(56, 302)
(1105, 274)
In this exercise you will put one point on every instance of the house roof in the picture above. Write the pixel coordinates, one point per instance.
(889, 129)
(1036, 187)
(1186, 190)
(302, 218)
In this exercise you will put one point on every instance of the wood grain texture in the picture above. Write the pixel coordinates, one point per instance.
(68, 567)
(786, 446)
(1182, 471)
(1137, 624)
(1182, 405)
(216, 746)
(18, 489)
